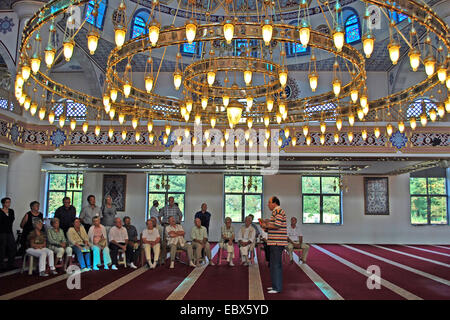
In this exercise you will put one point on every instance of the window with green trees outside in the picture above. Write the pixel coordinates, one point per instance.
(428, 200)
(60, 185)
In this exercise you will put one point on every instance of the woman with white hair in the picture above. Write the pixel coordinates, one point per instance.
(109, 212)
(57, 241)
(98, 241)
(38, 242)
(226, 242)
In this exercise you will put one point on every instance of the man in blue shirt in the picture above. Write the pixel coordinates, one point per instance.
(204, 216)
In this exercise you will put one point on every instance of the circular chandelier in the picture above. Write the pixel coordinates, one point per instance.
(222, 88)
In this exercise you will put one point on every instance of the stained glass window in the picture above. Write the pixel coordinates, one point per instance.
(415, 108)
(352, 29)
(296, 49)
(5, 105)
(190, 49)
(73, 110)
(240, 47)
(102, 4)
(139, 23)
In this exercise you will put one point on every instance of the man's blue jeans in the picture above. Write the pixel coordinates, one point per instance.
(276, 267)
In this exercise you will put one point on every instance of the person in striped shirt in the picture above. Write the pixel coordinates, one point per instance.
(276, 229)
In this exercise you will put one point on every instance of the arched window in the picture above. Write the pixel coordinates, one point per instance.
(352, 29)
(416, 107)
(139, 23)
(295, 49)
(102, 5)
(328, 108)
(72, 110)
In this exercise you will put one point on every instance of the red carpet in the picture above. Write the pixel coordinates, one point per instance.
(423, 287)
(296, 284)
(420, 253)
(346, 281)
(433, 248)
(421, 265)
(232, 283)
(229, 283)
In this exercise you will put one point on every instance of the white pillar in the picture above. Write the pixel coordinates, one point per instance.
(24, 179)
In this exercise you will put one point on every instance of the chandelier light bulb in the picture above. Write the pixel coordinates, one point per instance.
(208, 142)
(282, 75)
(226, 135)
(363, 100)
(282, 107)
(249, 123)
(85, 127)
(137, 136)
(339, 124)
(110, 133)
(148, 83)
(33, 108)
(236, 142)
(336, 138)
(121, 118)
(189, 105)
(68, 49)
(364, 134)
(204, 102)
(351, 119)
(322, 139)
(134, 123)
(266, 121)
(35, 64)
(149, 126)
(304, 33)
(414, 59)
(350, 136)
(313, 81)
(338, 38)
(177, 77)
(211, 76)
(107, 108)
(73, 124)
(401, 126)
(323, 127)
(269, 103)
(183, 111)
(119, 36)
(305, 130)
(413, 123)
(365, 109)
(24, 96)
(51, 117)
(423, 119)
(41, 114)
(151, 137)
(368, 44)
(127, 89)
(249, 103)
(191, 30)
(153, 32)
(124, 135)
(26, 70)
(226, 101)
(179, 140)
(294, 141)
(49, 55)
(97, 130)
(222, 142)
(336, 87)
(433, 114)
(442, 73)
(377, 132)
(308, 140)
(389, 129)
(234, 113)
(62, 121)
(248, 76)
(430, 63)
(267, 30)
(106, 100)
(441, 110)
(279, 118)
(360, 114)
(286, 132)
(267, 133)
(228, 31)
(187, 132)
(206, 134)
(198, 119)
(280, 141)
(213, 122)
(250, 144)
(394, 51)
(113, 94)
(92, 39)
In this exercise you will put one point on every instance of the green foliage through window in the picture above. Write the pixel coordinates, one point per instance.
(61, 185)
(161, 187)
(243, 196)
(321, 198)
(428, 200)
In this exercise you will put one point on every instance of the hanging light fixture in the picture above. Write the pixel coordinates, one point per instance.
(414, 59)
(153, 32)
(49, 56)
(267, 30)
(305, 130)
(267, 133)
(336, 138)
(191, 30)
(26, 70)
(97, 130)
(360, 114)
(73, 124)
(167, 129)
(204, 102)
(85, 127)
(364, 134)
(401, 126)
(41, 113)
(134, 123)
(35, 64)
(68, 46)
(33, 108)
(351, 119)
(286, 132)
(389, 129)
(269, 103)
(423, 119)
(266, 120)
(429, 63)
(304, 33)
(247, 76)
(433, 114)
(225, 100)
(368, 44)
(62, 121)
(226, 135)
(338, 38)
(282, 75)
(151, 137)
(313, 81)
(126, 89)
(413, 123)
(92, 39)
(113, 94)
(148, 83)
(213, 122)
(394, 51)
(198, 119)
(179, 140)
(119, 36)
(350, 136)
(149, 126)
(249, 123)
(323, 127)
(336, 87)
(442, 73)
(177, 77)
(228, 31)
(124, 135)
(322, 139)
(189, 105)
(110, 133)
(308, 140)
(211, 76)
(294, 141)
(377, 132)
(234, 112)
(51, 117)
(339, 123)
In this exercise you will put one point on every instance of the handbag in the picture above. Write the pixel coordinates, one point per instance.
(102, 243)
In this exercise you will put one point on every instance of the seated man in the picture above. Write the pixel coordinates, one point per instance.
(295, 240)
(133, 242)
(175, 240)
(246, 239)
(163, 240)
(199, 237)
(151, 241)
(226, 241)
(118, 239)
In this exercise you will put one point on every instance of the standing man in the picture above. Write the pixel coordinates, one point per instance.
(170, 210)
(204, 216)
(89, 212)
(200, 241)
(277, 241)
(66, 215)
(154, 212)
(295, 241)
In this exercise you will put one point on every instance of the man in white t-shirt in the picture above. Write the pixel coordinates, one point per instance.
(151, 240)
(295, 240)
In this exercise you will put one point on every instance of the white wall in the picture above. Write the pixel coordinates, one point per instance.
(3, 180)
(356, 227)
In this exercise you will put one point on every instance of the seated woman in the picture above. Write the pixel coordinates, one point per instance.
(79, 241)
(98, 241)
(57, 241)
(38, 241)
(227, 239)
(151, 241)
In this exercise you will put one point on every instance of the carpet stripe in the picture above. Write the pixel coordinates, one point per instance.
(427, 250)
(114, 285)
(189, 281)
(443, 247)
(255, 289)
(326, 289)
(8, 273)
(34, 287)
(413, 256)
(402, 292)
(422, 273)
